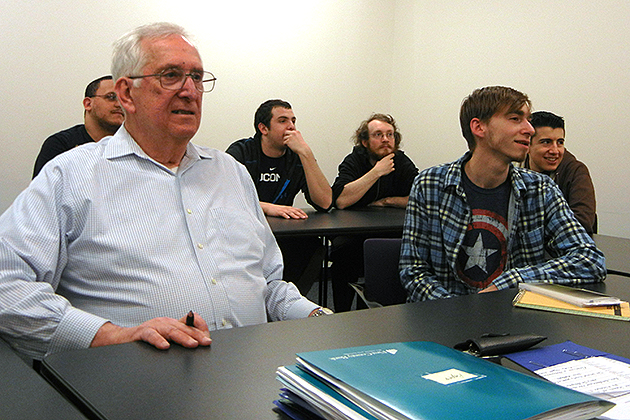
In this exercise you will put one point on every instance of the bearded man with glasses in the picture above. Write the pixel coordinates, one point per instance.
(102, 117)
(117, 241)
(376, 173)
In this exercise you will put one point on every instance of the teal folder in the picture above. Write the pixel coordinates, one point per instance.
(323, 399)
(425, 380)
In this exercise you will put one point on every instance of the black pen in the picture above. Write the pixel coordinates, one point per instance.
(190, 319)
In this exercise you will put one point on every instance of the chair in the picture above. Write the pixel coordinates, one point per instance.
(382, 282)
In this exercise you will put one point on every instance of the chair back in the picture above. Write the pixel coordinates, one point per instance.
(382, 280)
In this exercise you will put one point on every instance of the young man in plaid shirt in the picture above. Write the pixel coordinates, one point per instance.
(480, 224)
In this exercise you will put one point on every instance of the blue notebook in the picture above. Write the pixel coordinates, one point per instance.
(425, 380)
(555, 354)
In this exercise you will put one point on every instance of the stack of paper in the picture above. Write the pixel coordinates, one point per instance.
(583, 369)
(421, 380)
(573, 295)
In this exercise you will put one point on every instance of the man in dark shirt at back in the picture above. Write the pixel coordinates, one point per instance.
(281, 165)
(102, 117)
(376, 173)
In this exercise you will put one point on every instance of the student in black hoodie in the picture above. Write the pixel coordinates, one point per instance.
(376, 173)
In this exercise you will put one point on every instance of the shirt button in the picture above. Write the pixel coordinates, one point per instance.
(200, 246)
(189, 211)
(224, 322)
(214, 281)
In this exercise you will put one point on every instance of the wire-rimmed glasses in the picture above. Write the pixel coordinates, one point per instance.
(380, 135)
(175, 79)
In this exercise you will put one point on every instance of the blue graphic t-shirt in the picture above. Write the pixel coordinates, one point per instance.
(484, 251)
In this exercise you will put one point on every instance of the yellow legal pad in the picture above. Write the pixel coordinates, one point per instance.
(531, 300)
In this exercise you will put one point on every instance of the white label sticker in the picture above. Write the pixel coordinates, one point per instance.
(450, 376)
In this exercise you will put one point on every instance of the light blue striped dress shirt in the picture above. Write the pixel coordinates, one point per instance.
(106, 233)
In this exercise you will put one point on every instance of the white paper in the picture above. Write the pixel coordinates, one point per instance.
(599, 376)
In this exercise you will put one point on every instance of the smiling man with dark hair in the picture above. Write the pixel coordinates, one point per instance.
(548, 155)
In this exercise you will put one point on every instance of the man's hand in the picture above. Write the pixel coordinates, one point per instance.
(318, 185)
(491, 288)
(293, 140)
(287, 212)
(385, 166)
(353, 191)
(158, 332)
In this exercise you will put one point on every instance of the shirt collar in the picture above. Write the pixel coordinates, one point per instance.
(454, 174)
(518, 184)
(454, 171)
(122, 144)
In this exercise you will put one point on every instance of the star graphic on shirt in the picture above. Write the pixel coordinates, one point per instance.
(477, 254)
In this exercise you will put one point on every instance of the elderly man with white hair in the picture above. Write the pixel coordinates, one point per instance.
(118, 240)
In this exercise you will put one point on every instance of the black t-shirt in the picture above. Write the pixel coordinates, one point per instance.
(61, 142)
(249, 153)
(271, 176)
(484, 250)
(396, 184)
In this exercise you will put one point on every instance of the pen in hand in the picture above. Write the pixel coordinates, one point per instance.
(204, 339)
(190, 319)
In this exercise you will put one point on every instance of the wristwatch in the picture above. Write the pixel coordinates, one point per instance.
(321, 312)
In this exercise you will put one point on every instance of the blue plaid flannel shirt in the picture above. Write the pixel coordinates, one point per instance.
(545, 242)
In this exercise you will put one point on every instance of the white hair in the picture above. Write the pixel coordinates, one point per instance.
(128, 57)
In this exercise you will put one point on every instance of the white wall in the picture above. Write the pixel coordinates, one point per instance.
(570, 57)
(330, 59)
(337, 61)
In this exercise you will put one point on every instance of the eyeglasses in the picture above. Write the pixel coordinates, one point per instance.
(111, 97)
(175, 79)
(380, 135)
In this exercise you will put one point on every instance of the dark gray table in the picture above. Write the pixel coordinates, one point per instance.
(366, 221)
(26, 395)
(235, 378)
(617, 252)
